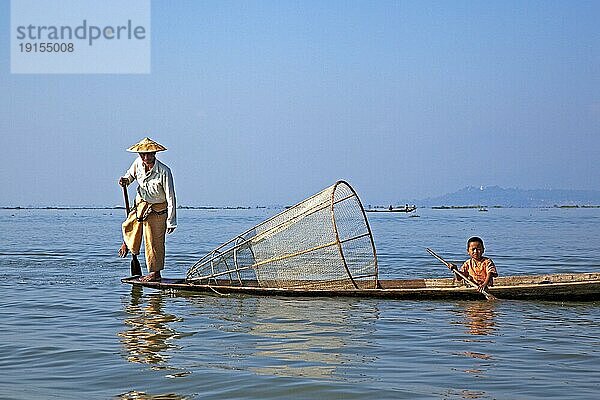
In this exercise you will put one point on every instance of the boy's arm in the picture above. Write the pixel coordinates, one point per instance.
(491, 273)
(454, 269)
(488, 277)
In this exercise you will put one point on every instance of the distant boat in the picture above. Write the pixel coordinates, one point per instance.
(483, 209)
(405, 209)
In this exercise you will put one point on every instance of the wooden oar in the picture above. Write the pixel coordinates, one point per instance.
(457, 272)
(136, 269)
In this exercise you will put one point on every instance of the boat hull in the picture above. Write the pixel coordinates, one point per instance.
(557, 287)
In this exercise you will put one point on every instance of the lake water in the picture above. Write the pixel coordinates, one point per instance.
(71, 330)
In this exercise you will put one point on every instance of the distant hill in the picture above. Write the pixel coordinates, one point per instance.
(491, 196)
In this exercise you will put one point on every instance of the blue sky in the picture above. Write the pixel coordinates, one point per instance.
(268, 102)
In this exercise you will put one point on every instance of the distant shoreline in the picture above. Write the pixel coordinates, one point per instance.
(480, 207)
(122, 208)
(444, 207)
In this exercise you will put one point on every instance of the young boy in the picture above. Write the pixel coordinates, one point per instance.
(479, 268)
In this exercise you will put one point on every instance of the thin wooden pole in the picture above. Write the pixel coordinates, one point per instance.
(136, 269)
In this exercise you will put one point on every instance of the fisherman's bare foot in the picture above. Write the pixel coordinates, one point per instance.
(151, 277)
(123, 250)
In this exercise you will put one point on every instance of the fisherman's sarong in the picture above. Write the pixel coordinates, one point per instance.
(150, 222)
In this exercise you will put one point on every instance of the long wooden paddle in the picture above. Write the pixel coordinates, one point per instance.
(457, 272)
(136, 269)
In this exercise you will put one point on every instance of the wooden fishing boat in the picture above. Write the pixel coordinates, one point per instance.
(556, 287)
(323, 246)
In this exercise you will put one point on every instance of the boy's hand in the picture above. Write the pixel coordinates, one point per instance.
(452, 267)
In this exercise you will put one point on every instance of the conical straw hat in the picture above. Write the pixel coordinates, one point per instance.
(146, 145)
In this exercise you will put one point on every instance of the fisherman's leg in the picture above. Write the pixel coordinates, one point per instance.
(132, 235)
(155, 228)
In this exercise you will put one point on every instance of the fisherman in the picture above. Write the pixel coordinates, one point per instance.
(154, 213)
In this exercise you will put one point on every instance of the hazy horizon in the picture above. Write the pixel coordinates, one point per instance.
(398, 202)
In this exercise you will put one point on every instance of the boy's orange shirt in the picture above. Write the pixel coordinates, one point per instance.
(478, 270)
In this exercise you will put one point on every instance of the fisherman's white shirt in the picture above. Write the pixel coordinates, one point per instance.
(155, 186)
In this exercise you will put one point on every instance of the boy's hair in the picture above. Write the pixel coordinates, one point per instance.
(475, 239)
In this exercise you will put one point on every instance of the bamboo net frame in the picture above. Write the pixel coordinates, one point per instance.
(323, 242)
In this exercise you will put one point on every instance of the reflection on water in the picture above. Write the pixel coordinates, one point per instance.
(135, 395)
(465, 394)
(292, 337)
(312, 338)
(479, 317)
(316, 338)
(147, 338)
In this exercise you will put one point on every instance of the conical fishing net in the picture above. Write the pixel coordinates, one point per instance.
(323, 242)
